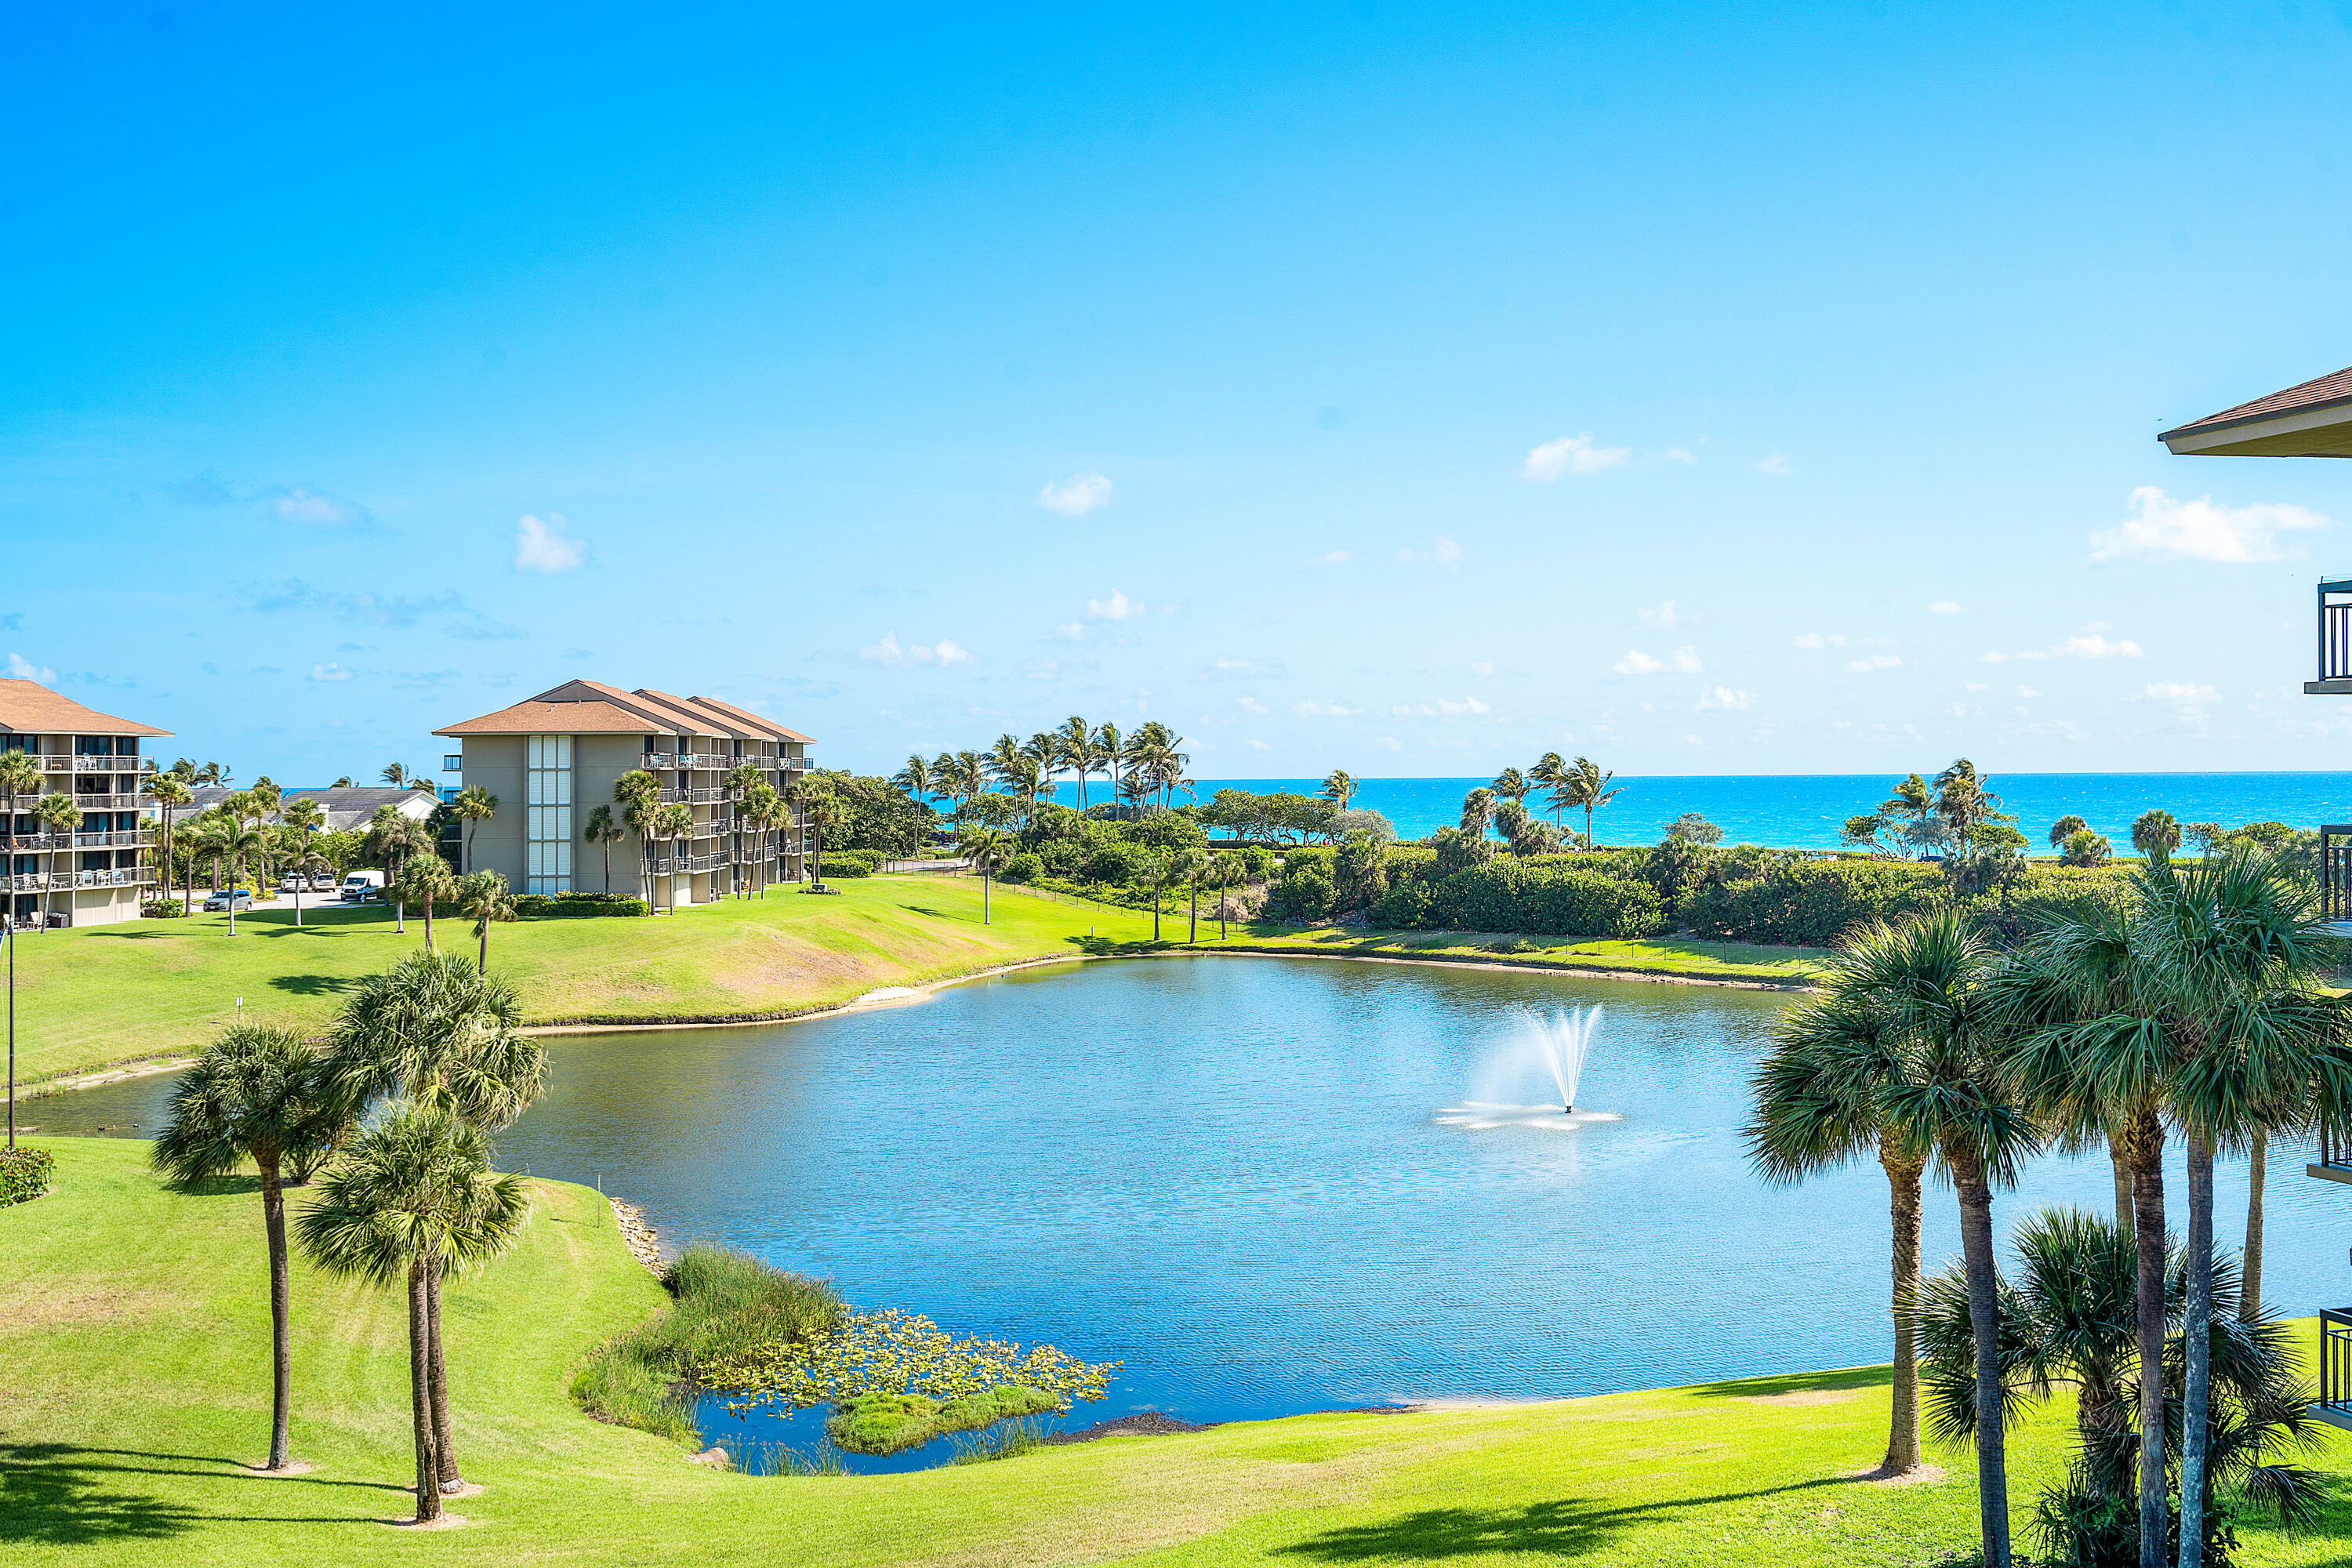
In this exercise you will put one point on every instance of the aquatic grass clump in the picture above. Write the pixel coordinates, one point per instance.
(725, 1304)
(759, 1457)
(1007, 1440)
(897, 1379)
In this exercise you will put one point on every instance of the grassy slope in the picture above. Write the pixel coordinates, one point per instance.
(114, 994)
(134, 1328)
(146, 988)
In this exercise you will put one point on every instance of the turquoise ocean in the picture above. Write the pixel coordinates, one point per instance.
(1805, 811)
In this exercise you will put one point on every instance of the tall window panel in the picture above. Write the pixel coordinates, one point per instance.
(547, 852)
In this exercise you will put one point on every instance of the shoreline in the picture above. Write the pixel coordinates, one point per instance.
(907, 996)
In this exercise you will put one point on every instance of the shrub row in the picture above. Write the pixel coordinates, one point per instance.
(1542, 897)
(24, 1174)
(579, 905)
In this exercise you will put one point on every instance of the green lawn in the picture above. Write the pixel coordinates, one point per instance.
(134, 1331)
(141, 989)
(147, 989)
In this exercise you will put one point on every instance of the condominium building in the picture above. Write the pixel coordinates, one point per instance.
(88, 873)
(550, 760)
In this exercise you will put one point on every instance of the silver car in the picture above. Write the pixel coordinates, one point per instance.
(214, 902)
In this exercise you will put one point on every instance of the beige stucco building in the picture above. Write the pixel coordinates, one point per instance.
(550, 760)
(94, 874)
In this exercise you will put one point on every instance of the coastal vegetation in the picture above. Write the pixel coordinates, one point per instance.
(119, 1355)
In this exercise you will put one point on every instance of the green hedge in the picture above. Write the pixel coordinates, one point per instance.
(579, 905)
(837, 866)
(1546, 897)
(24, 1174)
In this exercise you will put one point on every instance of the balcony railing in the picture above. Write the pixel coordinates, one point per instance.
(698, 796)
(2334, 1405)
(62, 881)
(2335, 1162)
(2336, 872)
(108, 801)
(705, 761)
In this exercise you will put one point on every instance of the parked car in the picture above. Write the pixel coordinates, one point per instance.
(217, 901)
(324, 882)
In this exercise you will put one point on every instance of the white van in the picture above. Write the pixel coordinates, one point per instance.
(363, 887)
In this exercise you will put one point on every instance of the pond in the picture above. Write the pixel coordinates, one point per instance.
(1277, 1185)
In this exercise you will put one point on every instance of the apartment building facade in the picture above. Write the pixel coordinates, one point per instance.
(95, 871)
(552, 758)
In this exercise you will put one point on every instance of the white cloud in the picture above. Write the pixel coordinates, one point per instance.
(1224, 661)
(22, 669)
(1250, 704)
(1676, 454)
(1325, 710)
(1775, 464)
(1043, 667)
(1727, 700)
(1810, 639)
(2027, 692)
(1456, 709)
(329, 672)
(1944, 607)
(2163, 529)
(1661, 616)
(1874, 661)
(302, 504)
(1074, 630)
(1682, 662)
(1117, 607)
(1975, 686)
(1571, 455)
(2087, 645)
(2181, 693)
(888, 654)
(1446, 552)
(1332, 558)
(1077, 495)
(1483, 666)
(1259, 746)
(1388, 742)
(541, 546)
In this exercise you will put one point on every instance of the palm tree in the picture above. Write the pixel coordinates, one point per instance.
(1950, 1099)
(742, 784)
(1511, 784)
(414, 1198)
(1547, 775)
(1190, 865)
(986, 851)
(672, 823)
(393, 774)
(305, 861)
(169, 794)
(1004, 760)
(1156, 869)
(601, 830)
(2156, 834)
(1113, 752)
(19, 776)
(1478, 814)
(474, 806)
(484, 896)
(1818, 1108)
(396, 838)
(1339, 789)
(1229, 870)
(256, 1094)
(1587, 786)
(1080, 751)
(426, 880)
(2066, 828)
(1913, 803)
(638, 794)
(436, 1034)
(916, 780)
(819, 810)
(58, 814)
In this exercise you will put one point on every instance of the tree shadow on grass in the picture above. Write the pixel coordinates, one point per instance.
(1562, 1528)
(59, 1494)
(314, 985)
(1842, 1381)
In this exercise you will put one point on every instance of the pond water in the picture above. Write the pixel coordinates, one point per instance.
(1270, 1186)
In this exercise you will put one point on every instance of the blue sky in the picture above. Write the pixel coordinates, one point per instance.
(1406, 389)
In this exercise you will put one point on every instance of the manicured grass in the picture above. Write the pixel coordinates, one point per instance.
(134, 1331)
(147, 988)
(1681, 960)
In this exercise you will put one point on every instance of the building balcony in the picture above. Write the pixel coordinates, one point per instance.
(2335, 642)
(2335, 1162)
(66, 881)
(2334, 1405)
(693, 761)
(110, 802)
(698, 797)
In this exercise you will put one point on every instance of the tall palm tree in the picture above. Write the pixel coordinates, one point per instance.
(672, 823)
(1004, 760)
(393, 774)
(475, 805)
(1585, 785)
(916, 780)
(1547, 775)
(819, 810)
(485, 899)
(1511, 784)
(414, 1198)
(1478, 814)
(986, 851)
(1113, 748)
(1339, 789)
(306, 860)
(742, 784)
(19, 776)
(60, 815)
(638, 794)
(601, 830)
(1190, 866)
(1951, 1097)
(1080, 751)
(1818, 1106)
(434, 1033)
(1158, 869)
(169, 794)
(426, 880)
(257, 1093)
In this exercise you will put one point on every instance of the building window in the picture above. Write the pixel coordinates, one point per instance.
(453, 762)
(547, 849)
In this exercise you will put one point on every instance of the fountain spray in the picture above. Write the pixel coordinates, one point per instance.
(1564, 1037)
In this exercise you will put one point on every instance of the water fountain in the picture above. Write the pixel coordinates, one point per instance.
(1554, 1046)
(1564, 1037)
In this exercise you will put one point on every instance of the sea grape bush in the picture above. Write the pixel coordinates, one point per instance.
(24, 1174)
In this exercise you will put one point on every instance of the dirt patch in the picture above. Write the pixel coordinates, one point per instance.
(1917, 1476)
(54, 1310)
(1144, 1424)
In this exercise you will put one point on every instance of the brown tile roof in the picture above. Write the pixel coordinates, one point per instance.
(535, 718)
(27, 707)
(766, 726)
(2317, 392)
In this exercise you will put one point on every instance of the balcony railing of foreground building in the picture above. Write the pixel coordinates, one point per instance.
(62, 881)
(2335, 1162)
(2334, 641)
(698, 796)
(702, 761)
(110, 802)
(2334, 1405)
